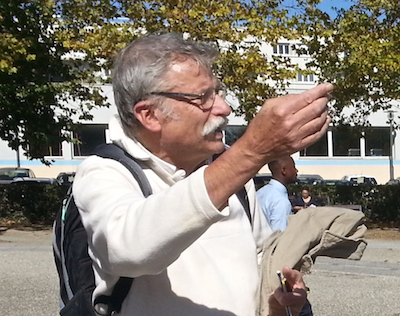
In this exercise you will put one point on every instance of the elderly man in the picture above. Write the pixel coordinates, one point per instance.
(189, 246)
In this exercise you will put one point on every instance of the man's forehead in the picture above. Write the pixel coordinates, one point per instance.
(188, 65)
(181, 71)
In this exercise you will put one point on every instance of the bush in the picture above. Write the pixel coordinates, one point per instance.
(380, 203)
(30, 203)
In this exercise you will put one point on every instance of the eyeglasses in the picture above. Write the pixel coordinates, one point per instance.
(204, 101)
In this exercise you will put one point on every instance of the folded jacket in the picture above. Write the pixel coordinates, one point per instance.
(315, 231)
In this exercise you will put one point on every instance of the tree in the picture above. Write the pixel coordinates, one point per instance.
(358, 51)
(239, 29)
(35, 82)
(51, 51)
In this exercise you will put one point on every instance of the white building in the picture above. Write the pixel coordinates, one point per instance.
(336, 154)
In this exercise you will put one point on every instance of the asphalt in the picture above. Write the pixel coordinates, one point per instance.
(28, 278)
(369, 287)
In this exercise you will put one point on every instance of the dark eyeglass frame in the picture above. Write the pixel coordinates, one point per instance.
(190, 97)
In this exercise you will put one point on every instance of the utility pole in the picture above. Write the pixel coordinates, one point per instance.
(18, 159)
(391, 168)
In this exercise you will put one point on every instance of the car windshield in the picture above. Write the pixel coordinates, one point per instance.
(66, 178)
(360, 180)
(9, 174)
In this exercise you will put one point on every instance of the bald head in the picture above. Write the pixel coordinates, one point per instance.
(283, 170)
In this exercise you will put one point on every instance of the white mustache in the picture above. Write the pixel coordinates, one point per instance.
(211, 126)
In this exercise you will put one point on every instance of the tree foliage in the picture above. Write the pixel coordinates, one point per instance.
(358, 51)
(43, 87)
(51, 52)
(36, 85)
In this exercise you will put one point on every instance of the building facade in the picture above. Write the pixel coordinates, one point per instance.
(339, 152)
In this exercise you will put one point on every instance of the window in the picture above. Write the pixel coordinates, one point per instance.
(346, 141)
(349, 141)
(50, 146)
(282, 49)
(233, 133)
(377, 141)
(89, 136)
(318, 149)
(54, 150)
(303, 78)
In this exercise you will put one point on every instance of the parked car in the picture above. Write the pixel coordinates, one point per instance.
(332, 182)
(66, 178)
(8, 175)
(360, 179)
(308, 179)
(26, 180)
(394, 181)
(261, 179)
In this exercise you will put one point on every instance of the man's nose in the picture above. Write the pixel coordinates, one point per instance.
(221, 107)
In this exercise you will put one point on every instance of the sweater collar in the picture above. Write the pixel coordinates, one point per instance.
(138, 151)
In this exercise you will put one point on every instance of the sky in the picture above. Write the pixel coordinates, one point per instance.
(326, 5)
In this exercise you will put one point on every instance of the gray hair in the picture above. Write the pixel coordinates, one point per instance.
(142, 65)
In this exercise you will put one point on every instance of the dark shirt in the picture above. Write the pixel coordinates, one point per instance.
(300, 202)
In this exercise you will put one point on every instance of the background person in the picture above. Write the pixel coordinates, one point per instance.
(275, 203)
(304, 200)
(189, 246)
(273, 197)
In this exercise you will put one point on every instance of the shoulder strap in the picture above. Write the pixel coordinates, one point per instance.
(123, 285)
(244, 199)
(115, 152)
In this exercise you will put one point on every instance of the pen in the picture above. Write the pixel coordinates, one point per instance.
(283, 287)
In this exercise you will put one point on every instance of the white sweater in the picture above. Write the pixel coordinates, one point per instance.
(187, 258)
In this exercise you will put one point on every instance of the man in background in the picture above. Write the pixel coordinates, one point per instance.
(273, 197)
(275, 203)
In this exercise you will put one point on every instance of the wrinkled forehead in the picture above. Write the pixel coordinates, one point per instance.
(188, 71)
(182, 59)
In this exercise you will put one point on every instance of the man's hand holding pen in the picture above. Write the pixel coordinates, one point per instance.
(291, 301)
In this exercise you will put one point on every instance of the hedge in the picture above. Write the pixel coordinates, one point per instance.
(38, 203)
(30, 203)
(380, 203)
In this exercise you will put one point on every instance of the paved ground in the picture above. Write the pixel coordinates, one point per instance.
(28, 279)
(368, 287)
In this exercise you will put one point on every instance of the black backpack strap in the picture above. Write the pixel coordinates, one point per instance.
(123, 285)
(244, 199)
(115, 152)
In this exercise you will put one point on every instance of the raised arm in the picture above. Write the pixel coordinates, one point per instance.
(283, 126)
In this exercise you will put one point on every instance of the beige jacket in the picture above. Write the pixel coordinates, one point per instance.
(315, 231)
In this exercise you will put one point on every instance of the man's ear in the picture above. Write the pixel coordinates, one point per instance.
(144, 112)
